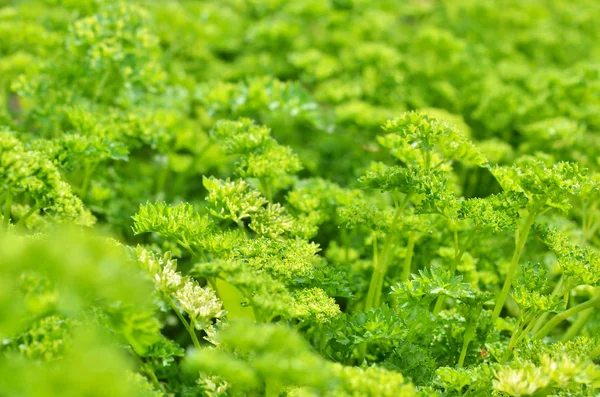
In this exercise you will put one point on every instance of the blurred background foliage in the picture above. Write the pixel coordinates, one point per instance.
(121, 96)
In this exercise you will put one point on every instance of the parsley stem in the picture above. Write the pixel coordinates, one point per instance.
(456, 242)
(513, 341)
(191, 251)
(28, 214)
(521, 239)
(550, 325)
(161, 180)
(346, 242)
(557, 290)
(372, 284)
(153, 378)
(361, 353)
(517, 336)
(592, 230)
(577, 325)
(381, 261)
(382, 270)
(7, 208)
(439, 304)
(266, 189)
(148, 371)
(87, 175)
(584, 218)
(469, 332)
(590, 220)
(410, 248)
(187, 325)
(101, 84)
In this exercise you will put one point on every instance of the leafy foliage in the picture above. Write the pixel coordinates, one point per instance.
(299, 198)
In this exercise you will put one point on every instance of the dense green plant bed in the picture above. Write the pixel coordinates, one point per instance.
(299, 198)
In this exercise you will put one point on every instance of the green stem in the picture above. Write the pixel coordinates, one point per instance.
(439, 304)
(542, 320)
(521, 239)
(373, 282)
(161, 179)
(511, 345)
(385, 257)
(525, 332)
(590, 220)
(517, 336)
(593, 230)
(87, 176)
(346, 242)
(212, 283)
(577, 325)
(381, 262)
(467, 244)
(362, 353)
(469, 333)
(440, 163)
(467, 392)
(456, 242)
(267, 189)
(564, 315)
(191, 251)
(410, 248)
(322, 341)
(187, 325)
(148, 371)
(242, 228)
(101, 84)
(7, 208)
(427, 159)
(584, 218)
(28, 214)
